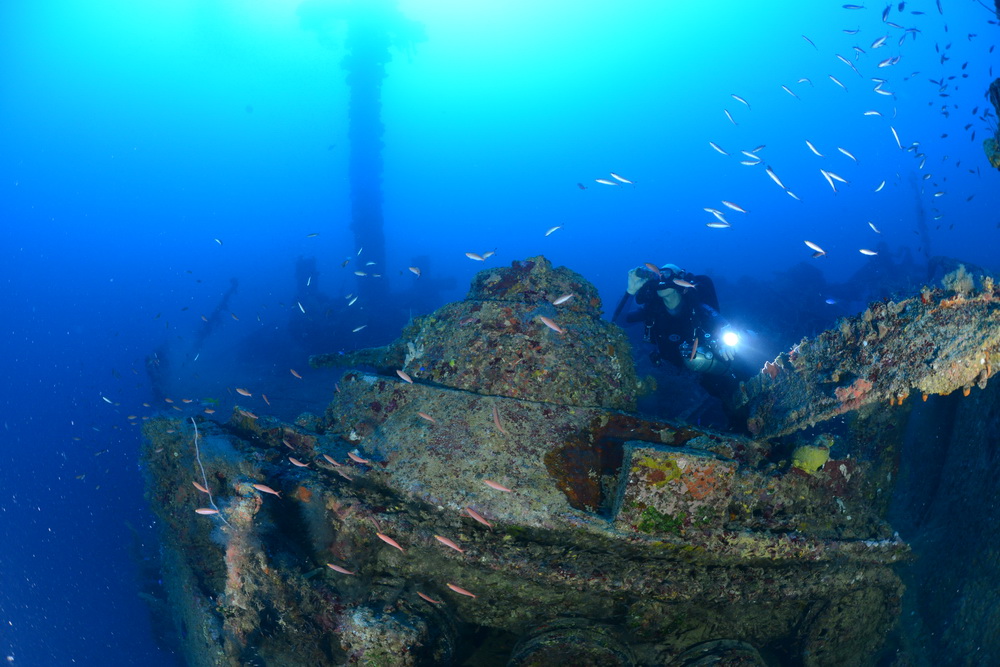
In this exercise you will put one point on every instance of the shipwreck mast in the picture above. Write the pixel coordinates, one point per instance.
(372, 29)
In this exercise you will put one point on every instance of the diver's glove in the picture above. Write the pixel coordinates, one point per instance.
(636, 279)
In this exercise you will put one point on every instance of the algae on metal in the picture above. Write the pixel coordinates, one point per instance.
(495, 342)
(943, 340)
(656, 536)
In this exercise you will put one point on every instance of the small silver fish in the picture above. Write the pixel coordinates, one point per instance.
(718, 215)
(847, 153)
(813, 246)
(829, 180)
(740, 99)
(774, 177)
(716, 147)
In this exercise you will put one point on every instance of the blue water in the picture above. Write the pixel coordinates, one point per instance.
(152, 151)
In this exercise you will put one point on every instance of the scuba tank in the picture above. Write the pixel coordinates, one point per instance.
(699, 357)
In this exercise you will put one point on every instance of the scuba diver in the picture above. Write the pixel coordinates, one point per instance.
(681, 314)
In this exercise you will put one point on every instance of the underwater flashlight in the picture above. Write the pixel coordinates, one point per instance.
(730, 338)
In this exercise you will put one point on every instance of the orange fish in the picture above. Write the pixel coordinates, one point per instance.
(654, 268)
(448, 543)
(478, 517)
(200, 487)
(357, 459)
(331, 460)
(292, 371)
(209, 411)
(427, 417)
(472, 255)
(415, 271)
(388, 540)
(550, 324)
(460, 590)
(264, 488)
(206, 510)
(243, 392)
(496, 420)
(428, 598)
(344, 475)
(337, 568)
(264, 396)
(404, 376)
(169, 400)
(185, 400)
(499, 487)
(204, 319)
(296, 462)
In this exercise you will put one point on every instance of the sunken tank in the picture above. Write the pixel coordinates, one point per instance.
(484, 494)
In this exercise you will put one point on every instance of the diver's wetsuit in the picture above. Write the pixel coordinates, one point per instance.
(697, 314)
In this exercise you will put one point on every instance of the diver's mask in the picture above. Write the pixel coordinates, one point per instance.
(665, 279)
